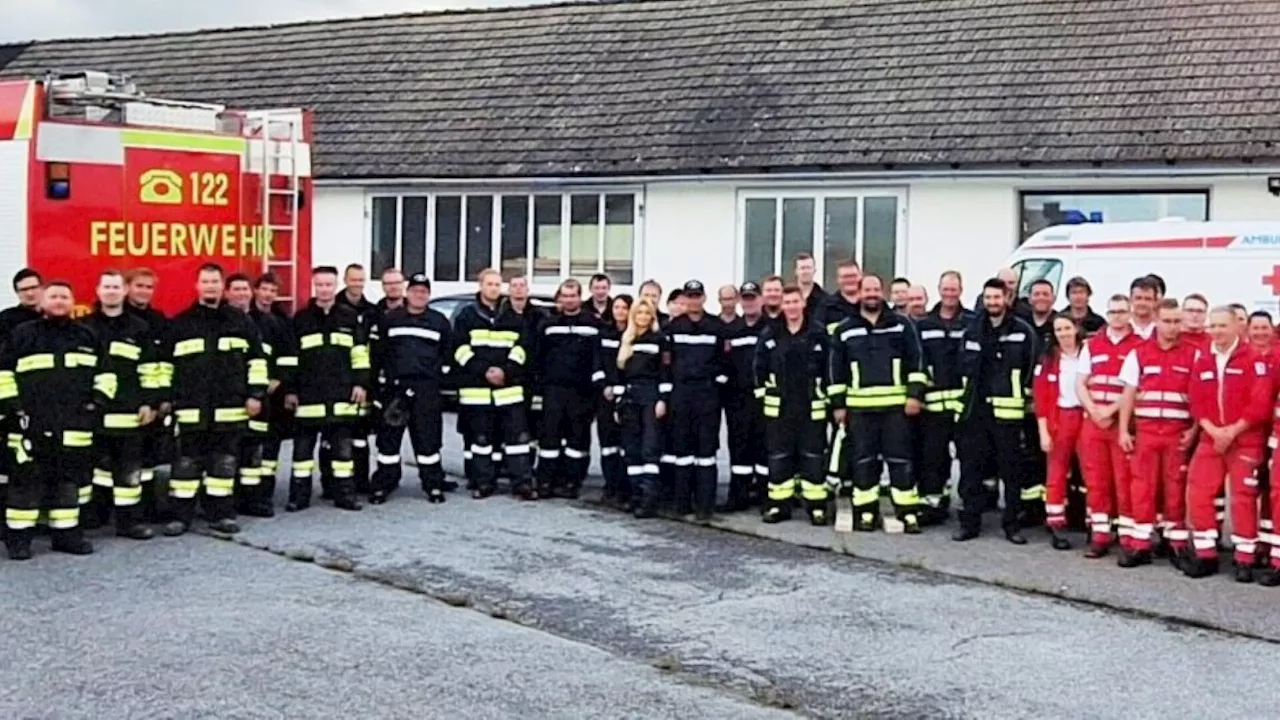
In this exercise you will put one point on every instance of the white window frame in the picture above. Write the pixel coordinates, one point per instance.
(495, 233)
(819, 196)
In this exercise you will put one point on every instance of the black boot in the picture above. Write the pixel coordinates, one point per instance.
(299, 494)
(226, 526)
(1269, 577)
(1244, 573)
(1058, 539)
(127, 525)
(345, 490)
(911, 524)
(776, 513)
(1133, 558)
(71, 542)
(866, 521)
(1015, 536)
(964, 533)
(1198, 567)
(18, 543)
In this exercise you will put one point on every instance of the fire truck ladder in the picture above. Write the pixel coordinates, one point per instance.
(278, 139)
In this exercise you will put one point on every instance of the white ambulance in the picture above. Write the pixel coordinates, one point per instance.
(1224, 261)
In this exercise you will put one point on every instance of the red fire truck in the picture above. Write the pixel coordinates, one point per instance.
(95, 174)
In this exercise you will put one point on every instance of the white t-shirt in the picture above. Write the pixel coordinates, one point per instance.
(1068, 370)
(1129, 374)
(1143, 331)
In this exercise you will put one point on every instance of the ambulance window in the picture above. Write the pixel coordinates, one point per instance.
(1030, 271)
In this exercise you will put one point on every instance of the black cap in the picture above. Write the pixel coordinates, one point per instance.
(749, 289)
(693, 287)
(419, 280)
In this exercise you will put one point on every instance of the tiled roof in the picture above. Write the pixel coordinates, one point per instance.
(709, 86)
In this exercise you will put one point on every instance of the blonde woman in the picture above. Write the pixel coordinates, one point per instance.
(639, 368)
(617, 488)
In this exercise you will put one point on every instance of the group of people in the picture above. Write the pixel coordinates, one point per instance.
(1125, 425)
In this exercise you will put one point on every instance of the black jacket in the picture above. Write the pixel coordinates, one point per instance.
(410, 348)
(790, 371)
(566, 352)
(813, 304)
(607, 357)
(1092, 322)
(876, 366)
(489, 337)
(640, 377)
(367, 311)
(741, 340)
(834, 310)
(332, 348)
(997, 364)
(215, 361)
(11, 318)
(941, 341)
(276, 332)
(693, 353)
(50, 370)
(128, 352)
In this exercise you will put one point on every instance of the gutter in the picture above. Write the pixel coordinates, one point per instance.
(878, 176)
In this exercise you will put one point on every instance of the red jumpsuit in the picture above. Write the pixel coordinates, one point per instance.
(1162, 415)
(1063, 424)
(1241, 391)
(1103, 462)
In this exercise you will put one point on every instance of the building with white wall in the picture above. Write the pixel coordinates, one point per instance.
(675, 139)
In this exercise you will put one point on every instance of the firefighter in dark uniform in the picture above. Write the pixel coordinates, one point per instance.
(696, 363)
(326, 390)
(273, 425)
(490, 361)
(877, 381)
(618, 487)
(637, 376)
(996, 364)
(127, 352)
(52, 387)
(941, 337)
(748, 457)
(412, 348)
(352, 295)
(239, 295)
(26, 285)
(532, 317)
(157, 437)
(566, 365)
(218, 381)
(790, 369)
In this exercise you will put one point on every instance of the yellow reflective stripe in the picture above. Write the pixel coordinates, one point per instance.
(219, 487)
(183, 489)
(64, 518)
(310, 411)
(771, 412)
(1035, 492)
(21, 519)
(784, 490)
(831, 327)
(517, 355)
(866, 497)
(164, 376)
(166, 140)
(878, 390)
(342, 339)
(508, 396)
(266, 348)
(904, 498)
(917, 377)
(150, 375)
(287, 361)
(124, 350)
(77, 438)
(759, 392)
(8, 385)
(258, 372)
(1007, 402)
(878, 401)
(102, 477)
(474, 396)
(80, 359)
(120, 421)
(953, 394)
(19, 447)
(897, 371)
(855, 376)
(233, 344)
(194, 346)
(813, 492)
(188, 416)
(346, 409)
(229, 415)
(1015, 377)
(312, 340)
(772, 401)
(504, 335)
(107, 384)
(360, 357)
(837, 388)
(41, 361)
(463, 354)
(259, 426)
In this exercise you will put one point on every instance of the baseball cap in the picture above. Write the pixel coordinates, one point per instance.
(419, 280)
(749, 289)
(693, 287)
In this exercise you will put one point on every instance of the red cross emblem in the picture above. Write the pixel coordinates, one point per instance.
(1273, 280)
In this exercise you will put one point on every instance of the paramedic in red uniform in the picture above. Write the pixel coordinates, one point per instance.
(1231, 399)
(1261, 333)
(1195, 314)
(1105, 467)
(1059, 418)
(1157, 378)
(1270, 502)
(1144, 293)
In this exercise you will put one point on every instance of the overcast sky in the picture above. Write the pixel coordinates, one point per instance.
(44, 19)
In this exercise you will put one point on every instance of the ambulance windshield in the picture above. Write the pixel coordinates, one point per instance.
(1031, 270)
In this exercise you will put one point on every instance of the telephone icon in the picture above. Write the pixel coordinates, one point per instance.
(160, 187)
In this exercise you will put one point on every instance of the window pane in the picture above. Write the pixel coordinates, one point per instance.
(797, 229)
(880, 236)
(515, 233)
(413, 236)
(619, 237)
(584, 235)
(383, 255)
(448, 237)
(839, 236)
(479, 234)
(546, 233)
(1042, 210)
(760, 228)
